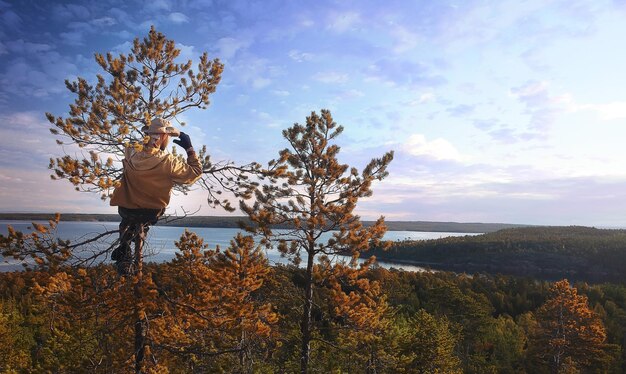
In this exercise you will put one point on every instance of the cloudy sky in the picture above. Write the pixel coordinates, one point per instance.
(498, 111)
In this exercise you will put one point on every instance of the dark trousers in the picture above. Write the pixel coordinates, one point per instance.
(133, 229)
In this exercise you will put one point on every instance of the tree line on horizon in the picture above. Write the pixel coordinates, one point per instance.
(235, 222)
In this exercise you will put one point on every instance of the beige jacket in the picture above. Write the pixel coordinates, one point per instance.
(149, 176)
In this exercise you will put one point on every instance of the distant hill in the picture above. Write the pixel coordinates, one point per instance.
(233, 222)
(547, 252)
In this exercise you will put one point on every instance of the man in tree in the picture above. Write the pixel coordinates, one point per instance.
(146, 185)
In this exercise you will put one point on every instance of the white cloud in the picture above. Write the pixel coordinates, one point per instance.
(32, 190)
(341, 22)
(123, 17)
(298, 56)
(157, 5)
(253, 71)
(24, 120)
(422, 99)
(229, 46)
(561, 201)
(145, 25)
(103, 21)
(266, 119)
(544, 106)
(281, 93)
(74, 38)
(242, 99)
(350, 94)
(36, 76)
(531, 91)
(404, 72)
(177, 17)
(405, 40)
(20, 46)
(307, 23)
(10, 19)
(438, 149)
(541, 105)
(123, 48)
(331, 77)
(608, 111)
(187, 52)
(259, 83)
(29, 128)
(70, 12)
(534, 59)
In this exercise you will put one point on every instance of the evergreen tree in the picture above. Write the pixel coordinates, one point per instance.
(569, 334)
(210, 310)
(361, 311)
(15, 340)
(108, 117)
(428, 345)
(313, 194)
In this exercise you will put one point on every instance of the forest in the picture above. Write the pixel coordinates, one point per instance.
(547, 252)
(227, 311)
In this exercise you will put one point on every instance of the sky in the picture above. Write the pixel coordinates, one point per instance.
(498, 111)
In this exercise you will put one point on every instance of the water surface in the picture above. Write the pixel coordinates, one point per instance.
(160, 244)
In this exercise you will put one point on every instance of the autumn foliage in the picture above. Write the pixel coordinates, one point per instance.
(79, 322)
(569, 334)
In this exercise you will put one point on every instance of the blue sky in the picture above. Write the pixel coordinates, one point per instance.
(501, 111)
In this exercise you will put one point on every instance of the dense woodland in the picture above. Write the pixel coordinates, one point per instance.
(577, 253)
(226, 311)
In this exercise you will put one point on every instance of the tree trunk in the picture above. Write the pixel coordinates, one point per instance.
(624, 352)
(305, 326)
(242, 352)
(139, 312)
(371, 363)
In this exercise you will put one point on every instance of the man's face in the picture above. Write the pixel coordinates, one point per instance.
(165, 139)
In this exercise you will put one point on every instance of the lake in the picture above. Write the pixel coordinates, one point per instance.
(160, 244)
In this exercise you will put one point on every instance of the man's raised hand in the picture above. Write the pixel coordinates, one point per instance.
(184, 141)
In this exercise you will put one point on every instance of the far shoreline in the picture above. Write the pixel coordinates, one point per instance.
(233, 222)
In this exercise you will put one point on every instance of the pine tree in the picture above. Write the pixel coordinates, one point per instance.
(361, 308)
(313, 194)
(428, 345)
(107, 117)
(88, 319)
(569, 333)
(15, 341)
(209, 308)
